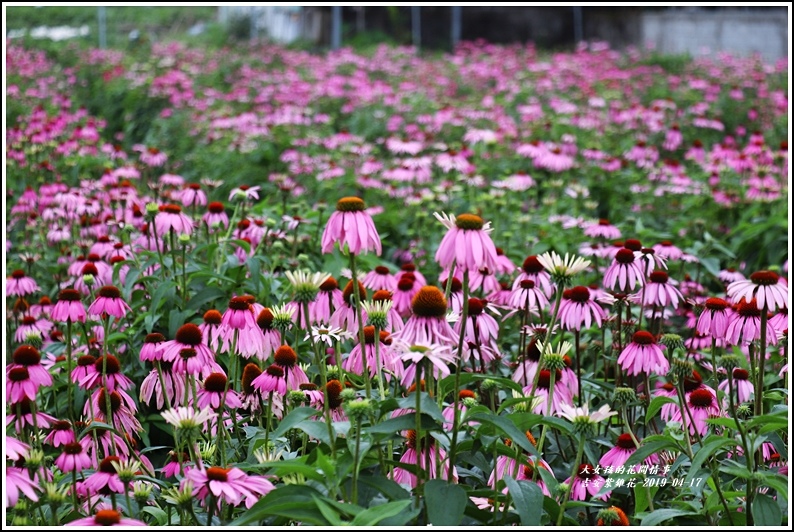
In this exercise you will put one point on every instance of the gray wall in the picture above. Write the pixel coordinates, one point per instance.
(700, 32)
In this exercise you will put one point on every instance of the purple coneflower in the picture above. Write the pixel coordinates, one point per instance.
(73, 458)
(216, 217)
(643, 355)
(620, 453)
(765, 286)
(580, 309)
(20, 285)
(424, 455)
(625, 271)
(380, 279)
(61, 434)
(106, 517)
(109, 302)
(744, 325)
(171, 217)
(467, 243)
(427, 324)
(28, 357)
(715, 318)
(586, 481)
(659, 292)
(602, 229)
(350, 225)
(214, 392)
(69, 307)
(230, 485)
(533, 270)
(239, 321)
(271, 380)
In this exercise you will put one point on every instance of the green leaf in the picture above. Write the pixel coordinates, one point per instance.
(766, 512)
(205, 295)
(660, 516)
(656, 404)
(292, 419)
(509, 428)
(641, 497)
(292, 501)
(160, 293)
(426, 404)
(649, 446)
(328, 512)
(445, 503)
(404, 422)
(315, 429)
(390, 489)
(157, 513)
(710, 446)
(527, 498)
(376, 514)
(777, 482)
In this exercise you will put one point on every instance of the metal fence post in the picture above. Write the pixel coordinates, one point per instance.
(456, 25)
(578, 29)
(102, 16)
(416, 26)
(336, 27)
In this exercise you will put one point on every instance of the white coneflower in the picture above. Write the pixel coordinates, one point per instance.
(562, 269)
(583, 420)
(326, 334)
(188, 421)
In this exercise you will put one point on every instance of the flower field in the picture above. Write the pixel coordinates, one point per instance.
(258, 286)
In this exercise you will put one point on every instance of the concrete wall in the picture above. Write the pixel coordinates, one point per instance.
(700, 32)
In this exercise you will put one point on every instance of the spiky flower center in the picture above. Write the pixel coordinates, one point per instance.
(265, 319)
(18, 374)
(633, 244)
(329, 285)
(693, 382)
(429, 302)
(111, 363)
(107, 517)
(586, 471)
(381, 295)
(285, 356)
(348, 292)
(189, 334)
(61, 425)
(18, 274)
(625, 441)
(115, 401)
(89, 269)
(406, 283)
(748, 310)
(250, 372)
(73, 448)
(382, 270)
(110, 292)
(171, 209)
(239, 303)
(466, 394)
(85, 361)
(579, 294)
(215, 383)
(624, 256)
(702, 398)
(741, 374)
(307, 386)
(476, 306)
(187, 353)
(716, 303)
(350, 204)
(659, 276)
(643, 338)
(215, 207)
(470, 222)
(532, 265)
(764, 278)
(408, 267)
(213, 317)
(106, 465)
(275, 371)
(218, 473)
(26, 355)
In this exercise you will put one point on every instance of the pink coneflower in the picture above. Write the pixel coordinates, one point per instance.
(407, 288)
(20, 285)
(105, 479)
(354, 362)
(174, 386)
(109, 302)
(193, 196)
(659, 292)
(329, 298)
(73, 458)
(230, 485)
(779, 321)
(350, 225)
(467, 243)
(730, 275)
(151, 156)
(394, 321)
(106, 517)
(504, 266)
(171, 217)
(427, 324)
(213, 393)
(439, 356)
(765, 286)
(533, 270)
(744, 325)
(741, 383)
(666, 250)
(527, 471)
(625, 272)
(216, 217)
(239, 322)
(380, 279)
(115, 378)
(122, 410)
(152, 348)
(30, 327)
(579, 309)
(410, 267)
(18, 480)
(650, 261)
(345, 317)
(287, 359)
(61, 434)
(20, 385)
(21, 416)
(177, 464)
(481, 333)
(643, 355)
(188, 352)
(602, 229)
(714, 319)
(211, 329)
(702, 405)
(28, 357)
(620, 453)
(425, 455)
(272, 336)
(672, 138)
(271, 380)
(586, 481)
(561, 395)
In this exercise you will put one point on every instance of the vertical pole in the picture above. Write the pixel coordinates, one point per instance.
(102, 16)
(578, 28)
(416, 27)
(456, 25)
(336, 27)
(254, 23)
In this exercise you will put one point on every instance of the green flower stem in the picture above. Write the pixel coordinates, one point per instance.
(541, 441)
(750, 491)
(108, 407)
(69, 383)
(418, 440)
(381, 390)
(759, 385)
(356, 461)
(574, 473)
(320, 361)
(268, 410)
(714, 364)
(557, 301)
(577, 347)
(210, 510)
(357, 300)
(184, 276)
(453, 447)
